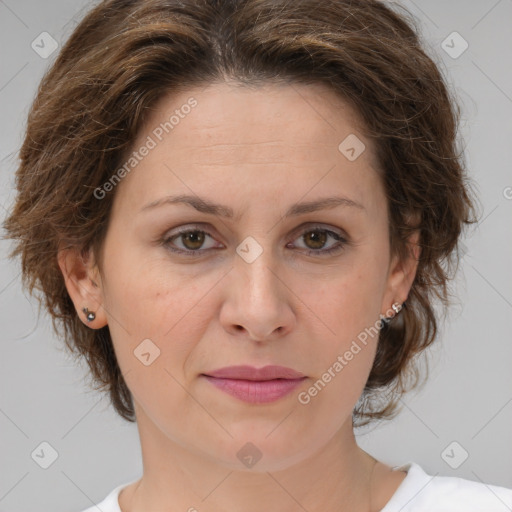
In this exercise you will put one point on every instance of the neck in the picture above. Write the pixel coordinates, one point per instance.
(339, 477)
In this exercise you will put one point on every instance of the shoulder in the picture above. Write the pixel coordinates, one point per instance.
(111, 502)
(421, 492)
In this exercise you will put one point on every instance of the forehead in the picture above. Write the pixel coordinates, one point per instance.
(269, 139)
(232, 113)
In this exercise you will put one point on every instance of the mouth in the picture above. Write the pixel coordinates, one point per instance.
(256, 391)
(255, 385)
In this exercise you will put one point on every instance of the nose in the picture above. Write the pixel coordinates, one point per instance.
(258, 303)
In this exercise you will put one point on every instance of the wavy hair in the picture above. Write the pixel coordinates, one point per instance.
(125, 55)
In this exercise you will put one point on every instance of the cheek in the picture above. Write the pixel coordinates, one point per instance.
(349, 310)
(347, 317)
(348, 302)
(155, 302)
(143, 285)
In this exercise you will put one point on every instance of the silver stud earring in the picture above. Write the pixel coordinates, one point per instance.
(90, 315)
(397, 307)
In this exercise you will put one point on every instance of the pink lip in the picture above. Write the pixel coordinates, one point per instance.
(256, 385)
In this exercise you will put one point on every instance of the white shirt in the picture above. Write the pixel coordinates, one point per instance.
(418, 492)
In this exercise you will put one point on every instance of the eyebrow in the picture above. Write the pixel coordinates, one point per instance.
(206, 206)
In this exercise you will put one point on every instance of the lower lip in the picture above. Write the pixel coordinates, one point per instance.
(256, 391)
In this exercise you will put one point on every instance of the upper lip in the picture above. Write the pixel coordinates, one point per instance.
(251, 373)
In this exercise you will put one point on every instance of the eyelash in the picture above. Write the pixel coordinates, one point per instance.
(310, 252)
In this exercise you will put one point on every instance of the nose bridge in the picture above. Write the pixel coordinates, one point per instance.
(256, 263)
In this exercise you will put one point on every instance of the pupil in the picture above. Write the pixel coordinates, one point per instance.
(195, 243)
(317, 237)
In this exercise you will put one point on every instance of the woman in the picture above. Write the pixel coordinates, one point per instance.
(247, 204)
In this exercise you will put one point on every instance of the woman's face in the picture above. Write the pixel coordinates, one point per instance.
(248, 292)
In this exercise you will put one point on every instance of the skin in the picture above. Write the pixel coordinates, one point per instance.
(258, 151)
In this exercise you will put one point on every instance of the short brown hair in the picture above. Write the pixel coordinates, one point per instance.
(126, 54)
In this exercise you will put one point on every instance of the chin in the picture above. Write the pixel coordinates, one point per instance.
(261, 453)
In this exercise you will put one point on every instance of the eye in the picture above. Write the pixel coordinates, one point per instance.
(193, 239)
(317, 237)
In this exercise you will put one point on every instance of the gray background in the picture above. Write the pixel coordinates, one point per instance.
(468, 398)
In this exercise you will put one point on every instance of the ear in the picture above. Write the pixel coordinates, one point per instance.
(401, 275)
(83, 282)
